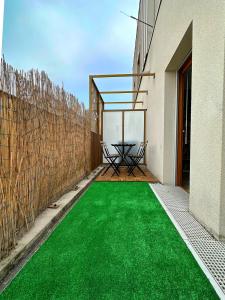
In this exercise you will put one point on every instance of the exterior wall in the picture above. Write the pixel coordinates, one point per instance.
(147, 13)
(183, 25)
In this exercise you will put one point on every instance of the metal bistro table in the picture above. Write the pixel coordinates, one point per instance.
(123, 149)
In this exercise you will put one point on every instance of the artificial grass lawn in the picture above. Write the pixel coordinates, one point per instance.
(116, 243)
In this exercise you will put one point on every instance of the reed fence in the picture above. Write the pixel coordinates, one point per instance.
(45, 137)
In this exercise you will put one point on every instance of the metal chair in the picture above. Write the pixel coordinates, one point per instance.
(136, 158)
(111, 159)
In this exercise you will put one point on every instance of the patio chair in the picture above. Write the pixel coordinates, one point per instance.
(136, 159)
(111, 159)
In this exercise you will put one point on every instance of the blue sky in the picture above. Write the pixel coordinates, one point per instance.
(71, 39)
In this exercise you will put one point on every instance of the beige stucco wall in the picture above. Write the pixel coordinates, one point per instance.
(182, 25)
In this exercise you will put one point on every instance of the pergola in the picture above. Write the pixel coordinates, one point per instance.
(114, 124)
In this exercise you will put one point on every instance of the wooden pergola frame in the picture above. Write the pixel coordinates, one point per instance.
(99, 94)
(92, 81)
(124, 92)
(123, 75)
(122, 102)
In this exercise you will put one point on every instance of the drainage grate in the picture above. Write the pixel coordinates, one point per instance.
(176, 200)
(209, 252)
(191, 228)
(212, 254)
(176, 205)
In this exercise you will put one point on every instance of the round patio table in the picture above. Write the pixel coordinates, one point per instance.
(123, 150)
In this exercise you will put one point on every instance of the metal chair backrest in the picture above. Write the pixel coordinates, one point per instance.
(105, 150)
(142, 148)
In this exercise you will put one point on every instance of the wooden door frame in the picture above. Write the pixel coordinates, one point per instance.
(180, 127)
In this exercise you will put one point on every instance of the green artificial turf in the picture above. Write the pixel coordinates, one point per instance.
(116, 243)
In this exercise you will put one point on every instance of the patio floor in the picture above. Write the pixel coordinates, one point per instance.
(124, 177)
(116, 243)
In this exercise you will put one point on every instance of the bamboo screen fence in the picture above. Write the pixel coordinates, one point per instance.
(44, 148)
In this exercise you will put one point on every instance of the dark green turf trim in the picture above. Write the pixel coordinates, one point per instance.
(116, 243)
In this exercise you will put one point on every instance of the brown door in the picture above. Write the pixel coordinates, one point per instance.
(184, 125)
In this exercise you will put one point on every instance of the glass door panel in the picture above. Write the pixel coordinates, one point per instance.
(134, 128)
(112, 129)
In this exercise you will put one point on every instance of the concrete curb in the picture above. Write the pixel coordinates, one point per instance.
(43, 226)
